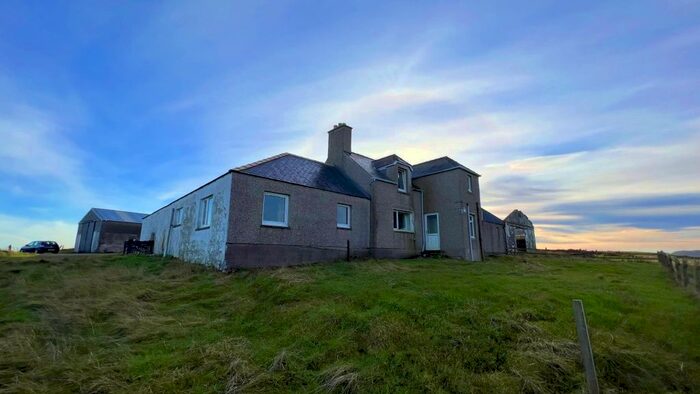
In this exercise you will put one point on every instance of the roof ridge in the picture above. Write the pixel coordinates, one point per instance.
(435, 159)
(117, 210)
(261, 161)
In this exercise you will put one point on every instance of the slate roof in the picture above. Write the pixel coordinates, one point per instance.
(378, 168)
(491, 218)
(367, 164)
(389, 160)
(298, 170)
(113, 215)
(438, 165)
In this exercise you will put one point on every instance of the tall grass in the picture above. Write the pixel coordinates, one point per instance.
(115, 324)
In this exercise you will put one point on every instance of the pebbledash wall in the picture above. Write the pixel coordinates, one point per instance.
(187, 241)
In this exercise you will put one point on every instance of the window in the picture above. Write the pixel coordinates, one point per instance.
(469, 183)
(472, 226)
(275, 210)
(205, 209)
(343, 216)
(177, 217)
(403, 179)
(403, 221)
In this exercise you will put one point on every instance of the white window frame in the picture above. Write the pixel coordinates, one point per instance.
(472, 226)
(205, 212)
(286, 211)
(349, 216)
(402, 174)
(411, 227)
(469, 183)
(177, 217)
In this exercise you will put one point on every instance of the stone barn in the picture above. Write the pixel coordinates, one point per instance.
(106, 230)
(493, 233)
(520, 233)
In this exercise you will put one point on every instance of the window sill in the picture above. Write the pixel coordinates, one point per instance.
(405, 231)
(343, 228)
(279, 226)
(202, 228)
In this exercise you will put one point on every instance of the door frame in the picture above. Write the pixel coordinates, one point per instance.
(425, 231)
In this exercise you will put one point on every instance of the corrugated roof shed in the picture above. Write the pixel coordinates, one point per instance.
(438, 165)
(302, 171)
(113, 215)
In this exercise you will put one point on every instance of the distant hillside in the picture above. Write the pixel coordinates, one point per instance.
(688, 253)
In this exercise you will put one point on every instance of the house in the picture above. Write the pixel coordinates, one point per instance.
(288, 209)
(106, 230)
(520, 233)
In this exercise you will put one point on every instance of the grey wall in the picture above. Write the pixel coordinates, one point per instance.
(204, 246)
(494, 235)
(386, 242)
(312, 234)
(446, 193)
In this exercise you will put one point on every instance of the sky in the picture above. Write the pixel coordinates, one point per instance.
(583, 114)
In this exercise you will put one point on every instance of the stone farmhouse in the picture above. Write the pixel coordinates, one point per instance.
(287, 210)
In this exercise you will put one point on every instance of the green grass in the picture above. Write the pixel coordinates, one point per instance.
(139, 324)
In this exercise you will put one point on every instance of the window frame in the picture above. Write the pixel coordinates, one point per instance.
(348, 209)
(267, 223)
(472, 226)
(204, 211)
(404, 172)
(177, 217)
(412, 225)
(470, 180)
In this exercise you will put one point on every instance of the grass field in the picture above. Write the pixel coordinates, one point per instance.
(139, 324)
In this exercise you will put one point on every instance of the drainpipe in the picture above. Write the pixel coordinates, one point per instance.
(469, 236)
(478, 224)
(167, 238)
(422, 215)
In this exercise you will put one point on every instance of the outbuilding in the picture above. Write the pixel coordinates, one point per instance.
(493, 233)
(106, 230)
(520, 233)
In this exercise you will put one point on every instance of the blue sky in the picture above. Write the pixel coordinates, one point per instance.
(585, 115)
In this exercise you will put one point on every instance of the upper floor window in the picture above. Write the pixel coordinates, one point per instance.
(343, 216)
(403, 180)
(205, 211)
(472, 226)
(403, 221)
(469, 183)
(177, 217)
(275, 210)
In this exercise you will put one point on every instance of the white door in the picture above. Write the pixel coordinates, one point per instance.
(432, 231)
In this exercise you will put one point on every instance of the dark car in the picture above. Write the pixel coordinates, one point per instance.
(40, 247)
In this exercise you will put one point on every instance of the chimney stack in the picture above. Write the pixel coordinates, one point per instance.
(339, 141)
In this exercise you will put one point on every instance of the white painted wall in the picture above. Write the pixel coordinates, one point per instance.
(203, 246)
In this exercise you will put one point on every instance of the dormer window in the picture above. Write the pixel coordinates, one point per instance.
(403, 180)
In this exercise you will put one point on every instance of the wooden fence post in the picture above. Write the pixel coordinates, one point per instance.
(586, 350)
